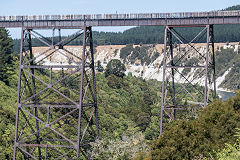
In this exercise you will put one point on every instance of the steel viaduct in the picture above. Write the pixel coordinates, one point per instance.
(43, 121)
(147, 19)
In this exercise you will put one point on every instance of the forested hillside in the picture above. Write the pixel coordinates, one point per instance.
(8, 86)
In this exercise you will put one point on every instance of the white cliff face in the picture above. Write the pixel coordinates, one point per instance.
(152, 71)
(220, 79)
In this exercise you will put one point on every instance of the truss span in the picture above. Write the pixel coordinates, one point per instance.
(139, 19)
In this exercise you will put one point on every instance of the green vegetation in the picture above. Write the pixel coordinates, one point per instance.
(8, 95)
(223, 59)
(237, 7)
(188, 139)
(191, 62)
(6, 56)
(228, 59)
(124, 113)
(99, 67)
(125, 107)
(142, 53)
(7, 120)
(230, 152)
(115, 67)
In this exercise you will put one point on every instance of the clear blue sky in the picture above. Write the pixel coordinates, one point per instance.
(39, 7)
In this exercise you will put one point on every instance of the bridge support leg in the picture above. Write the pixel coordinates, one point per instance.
(211, 34)
(57, 113)
(188, 72)
(170, 41)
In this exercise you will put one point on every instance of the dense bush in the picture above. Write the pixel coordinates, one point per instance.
(99, 67)
(230, 152)
(6, 56)
(223, 60)
(188, 139)
(126, 51)
(7, 120)
(115, 67)
(143, 53)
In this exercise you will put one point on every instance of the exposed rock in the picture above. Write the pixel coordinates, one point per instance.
(72, 55)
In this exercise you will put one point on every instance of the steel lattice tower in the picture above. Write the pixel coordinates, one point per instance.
(178, 87)
(57, 114)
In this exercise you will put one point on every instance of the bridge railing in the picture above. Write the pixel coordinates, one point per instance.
(123, 16)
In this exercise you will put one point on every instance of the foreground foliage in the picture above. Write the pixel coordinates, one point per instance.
(188, 139)
(7, 120)
(6, 56)
(230, 152)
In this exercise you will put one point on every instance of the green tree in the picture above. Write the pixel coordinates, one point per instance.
(230, 152)
(99, 66)
(115, 67)
(6, 57)
(153, 130)
(7, 120)
(187, 139)
(114, 81)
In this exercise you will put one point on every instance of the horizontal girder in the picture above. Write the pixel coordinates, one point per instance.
(141, 19)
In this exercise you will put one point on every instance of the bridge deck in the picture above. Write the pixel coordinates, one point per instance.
(148, 19)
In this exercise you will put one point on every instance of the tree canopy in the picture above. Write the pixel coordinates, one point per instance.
(115, 67)
(6, 55)
(99, 67)
(215, 126)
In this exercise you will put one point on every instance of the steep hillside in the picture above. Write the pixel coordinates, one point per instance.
(146, 61)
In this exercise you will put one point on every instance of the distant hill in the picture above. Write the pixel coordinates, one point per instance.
(237, 7)
(155, 34)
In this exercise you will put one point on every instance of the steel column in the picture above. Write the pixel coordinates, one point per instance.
(182, 57)
(94, 80)
(163, 81)
(34, 92)
(206, 68)
(213, 61)
(19, 94)
(57, 115)
(170, 40)
(81, 91)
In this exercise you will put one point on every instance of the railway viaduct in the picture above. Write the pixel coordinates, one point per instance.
(53, 117)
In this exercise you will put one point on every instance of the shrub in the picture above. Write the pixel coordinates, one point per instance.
(188, 139)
